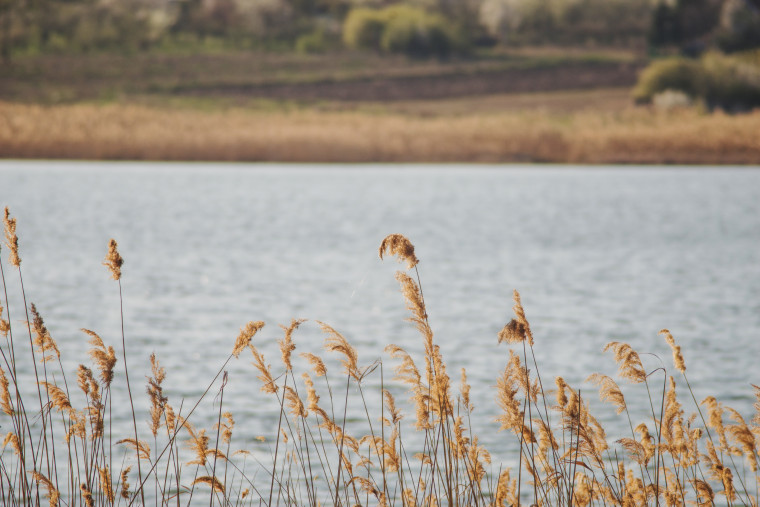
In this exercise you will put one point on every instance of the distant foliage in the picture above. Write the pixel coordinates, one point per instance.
(576, 22)
(400, 29)
(363, 29)
(680, 74)
(739, 26)
(719, 81)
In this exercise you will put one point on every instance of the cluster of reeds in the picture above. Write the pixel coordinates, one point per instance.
(65, 452)
(493, 133)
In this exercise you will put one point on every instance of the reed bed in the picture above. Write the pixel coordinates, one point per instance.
(299, 134)
(415, 448)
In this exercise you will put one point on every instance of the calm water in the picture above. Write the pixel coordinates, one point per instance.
(598, 254)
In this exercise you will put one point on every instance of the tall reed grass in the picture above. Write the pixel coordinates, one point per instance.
(60, 445)
(133, 132)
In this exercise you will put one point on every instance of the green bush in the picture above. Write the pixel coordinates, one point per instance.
(312, 42)
(363, 28)
(726, 82)
(400, 29)
(679, 74)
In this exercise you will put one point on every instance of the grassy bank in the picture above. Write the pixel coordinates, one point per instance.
(60, 444)
(487, 129)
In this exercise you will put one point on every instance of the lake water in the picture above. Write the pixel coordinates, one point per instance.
(598, 254)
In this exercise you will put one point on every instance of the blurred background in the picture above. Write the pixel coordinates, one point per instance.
(365, 80)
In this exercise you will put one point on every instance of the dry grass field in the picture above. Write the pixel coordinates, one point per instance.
(579, 127)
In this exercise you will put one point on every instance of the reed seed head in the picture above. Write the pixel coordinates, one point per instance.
(628, 361)
(316, 362)
(246, 335)
(400, 246)
(286, 344)
(609, 391)
(125, 482)
(336, 342)
(52, 492)
(42, 339)
(678, 361)
(103, 357)
(294, 403)
(11, 239)
(5, 326)
(58, 398)
(86, 495)
(105, 483)
(265, 370)
(520, 315)
(113, 260)
(215, 484)
(142, 448)
(5, 394)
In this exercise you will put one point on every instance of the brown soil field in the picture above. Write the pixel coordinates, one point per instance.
(343, 77)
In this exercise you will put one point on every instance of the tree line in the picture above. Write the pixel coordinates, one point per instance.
(416, 27)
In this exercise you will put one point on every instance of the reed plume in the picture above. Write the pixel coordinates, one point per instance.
(42, 339)
(629, 363)
(113, 260)
(286, 344)
(246, 335)
(400, 246)
(11, 239)
(52, 491)
(103, 357)
(316, 362)
(678, 361)
(336, 342)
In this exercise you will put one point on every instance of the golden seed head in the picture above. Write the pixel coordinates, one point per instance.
(86, 495)
(629, 363)
(336, 342)
(513, 332)
(316, 362)
(5, 326)
(113, 260)
(246, 335)
(53, 494)
(215, 484)
(399, 245)
(465, 391)
(520, 314)
(57, 397)
(286, 344)
(125, 483)
(11, 239)
(609, 391)
(42, 339)
(105, 483)
(5, 395)
(265, 370)
(677, 356)
(294, 402)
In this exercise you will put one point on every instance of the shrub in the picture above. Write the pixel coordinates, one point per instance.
(418, 34)
(727, 82)
(312, 42)
(679, 74)
(363, 29)
(400, 29)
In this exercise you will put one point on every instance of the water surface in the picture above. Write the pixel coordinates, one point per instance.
(598, 254)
